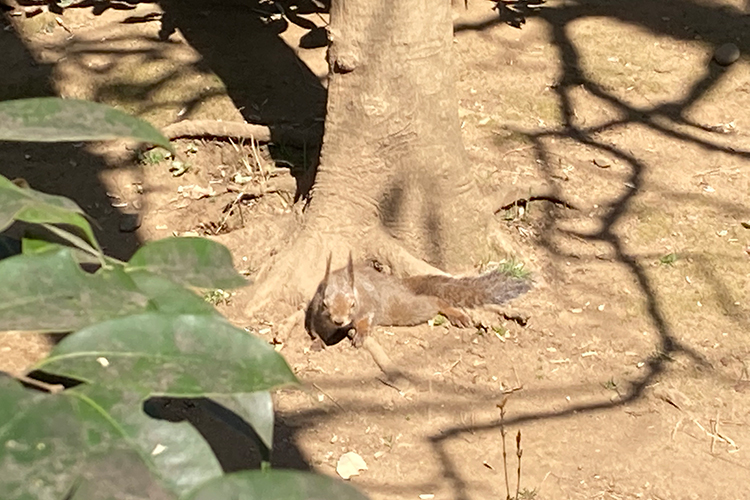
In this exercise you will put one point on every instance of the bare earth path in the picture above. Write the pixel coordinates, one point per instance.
(632, 372)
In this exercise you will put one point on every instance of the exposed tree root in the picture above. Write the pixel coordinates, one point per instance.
(394, 376)
(292, 275)
(239, 130)
(388, 251)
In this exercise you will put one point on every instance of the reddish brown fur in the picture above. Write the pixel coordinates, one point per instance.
(350, 301)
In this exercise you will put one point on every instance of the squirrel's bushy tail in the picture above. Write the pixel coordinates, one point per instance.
(491, 288)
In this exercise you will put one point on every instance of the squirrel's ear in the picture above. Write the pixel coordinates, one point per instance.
(328, 267)
(350, 268)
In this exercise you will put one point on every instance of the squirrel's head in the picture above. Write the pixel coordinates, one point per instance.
(339, 306)
(339, 296)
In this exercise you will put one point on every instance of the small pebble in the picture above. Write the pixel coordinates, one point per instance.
(727, 54)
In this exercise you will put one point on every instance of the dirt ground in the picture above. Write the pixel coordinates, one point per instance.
(630, 379)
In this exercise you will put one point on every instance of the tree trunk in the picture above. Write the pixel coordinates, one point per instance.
(393, 181)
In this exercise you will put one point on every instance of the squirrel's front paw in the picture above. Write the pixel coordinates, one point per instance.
(358, 338)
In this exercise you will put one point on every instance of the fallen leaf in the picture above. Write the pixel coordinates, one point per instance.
(350, 464)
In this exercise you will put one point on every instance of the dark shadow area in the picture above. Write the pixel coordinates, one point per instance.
(234, 442)
(514, 12)
(678, 19)
(240, 43)
(63, 169)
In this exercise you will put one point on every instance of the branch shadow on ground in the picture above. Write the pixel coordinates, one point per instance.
(713, 24)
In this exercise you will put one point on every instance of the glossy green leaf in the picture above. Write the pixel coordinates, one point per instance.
(170, 355)
(275, 485)
(120, 474)
(36, 246)
(176, 453)
(51, 119)
(49, 292)
(197, 262)
(256, 409)
(168, 297)
(28, 205)
(51, 444)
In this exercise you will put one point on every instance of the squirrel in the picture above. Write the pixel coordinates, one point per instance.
(350, 301)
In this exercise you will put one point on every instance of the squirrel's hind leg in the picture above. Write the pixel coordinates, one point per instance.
(456, 316)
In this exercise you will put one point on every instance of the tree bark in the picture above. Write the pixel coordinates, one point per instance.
(393, 181)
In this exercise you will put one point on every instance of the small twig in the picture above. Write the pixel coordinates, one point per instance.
(721, 436)
(549, 198)
(715, 435)
(228, 212)
(512, 390)
(539, 488)
(675, 429)
(387, 381)
(235, 146)
(714, 425)
(324, 393)
(501, 405)
(258, 162)
(283, 201)
(516, 150)
(519, 452)
(51, 388)
(451, 367)
(60, 22)
(518, 381)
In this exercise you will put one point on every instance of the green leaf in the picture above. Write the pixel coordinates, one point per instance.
(32, 245)
(51, 444)
(35, 246)
(170, 355)
(51, 119)
(117, 475)
(255, 408)
(49, 292)
(197, 262)
(176, 453)
(27, 205)
(275, 485)
(168, 297)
